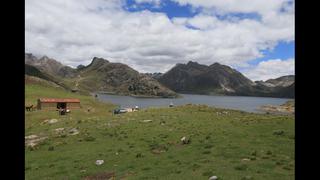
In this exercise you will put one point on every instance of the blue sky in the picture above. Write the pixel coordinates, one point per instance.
(154, 35)
(171, 9)
(283, 50)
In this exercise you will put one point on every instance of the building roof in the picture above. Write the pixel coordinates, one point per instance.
(54, 100)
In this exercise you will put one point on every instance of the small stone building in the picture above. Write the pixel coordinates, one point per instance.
(56, 103)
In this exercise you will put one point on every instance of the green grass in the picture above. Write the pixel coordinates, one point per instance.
(152, 150)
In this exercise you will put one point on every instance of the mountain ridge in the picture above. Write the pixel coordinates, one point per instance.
(191, 78)
(216, 78)
(102, 75)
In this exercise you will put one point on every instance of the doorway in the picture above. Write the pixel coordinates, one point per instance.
(62, 105)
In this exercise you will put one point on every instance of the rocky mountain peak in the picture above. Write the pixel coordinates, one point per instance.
(216, 64)
(190, 63)
(98, 60)
(29, 57)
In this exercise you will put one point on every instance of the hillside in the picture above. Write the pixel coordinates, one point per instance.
(49, 66)
(201, 79)
(147, 144)
(221, 79)
(31, 71)
(102, 75)
(280, 87)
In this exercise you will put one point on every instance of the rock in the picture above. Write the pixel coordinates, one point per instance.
(99, 162)
(52, 121)
(59, 129)
(213, 178)
(146, 121)
(33, 140)
(185, 140)
(33, 136)
(73, 131)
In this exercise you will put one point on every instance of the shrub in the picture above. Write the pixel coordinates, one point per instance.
(269, 152)
(208, 146)
(254, 153)
(89, 138)
(207, 173)
(139, 155)
(278, 132)
(241, 167)
(206, 152)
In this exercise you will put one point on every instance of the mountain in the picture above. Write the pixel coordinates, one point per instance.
(283, 86)
(50, 66)
(201, 79)
(221, 79)
(194, 78)
(102, 75)
(283, 81)
(156, 75)
(31, 71)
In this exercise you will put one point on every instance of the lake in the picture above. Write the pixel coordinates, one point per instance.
(244, 103)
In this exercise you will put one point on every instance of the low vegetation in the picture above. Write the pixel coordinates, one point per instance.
(228, 144)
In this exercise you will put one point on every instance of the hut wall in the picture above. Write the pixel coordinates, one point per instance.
(73, 105)
(50, 105)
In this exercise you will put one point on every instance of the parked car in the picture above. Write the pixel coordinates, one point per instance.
(119, 111)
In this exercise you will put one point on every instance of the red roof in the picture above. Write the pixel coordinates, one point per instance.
(69, 100)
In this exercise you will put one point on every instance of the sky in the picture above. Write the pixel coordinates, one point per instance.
(256, 37)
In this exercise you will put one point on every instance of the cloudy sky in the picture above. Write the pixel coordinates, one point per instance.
(255, 37)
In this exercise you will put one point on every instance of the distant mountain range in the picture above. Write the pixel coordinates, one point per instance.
(100, 75)
(221, 79)
(104, 76)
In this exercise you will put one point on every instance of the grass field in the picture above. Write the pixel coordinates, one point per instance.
(226, 143)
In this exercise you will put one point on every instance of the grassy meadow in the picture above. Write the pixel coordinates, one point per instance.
(146, 144)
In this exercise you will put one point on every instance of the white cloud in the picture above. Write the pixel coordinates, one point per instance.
(271, 69)
(75, 31)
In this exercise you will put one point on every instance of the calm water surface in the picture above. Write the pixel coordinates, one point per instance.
(244, 103)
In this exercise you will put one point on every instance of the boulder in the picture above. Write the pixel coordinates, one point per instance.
(185, 140)
(99, 162)
(213, 178)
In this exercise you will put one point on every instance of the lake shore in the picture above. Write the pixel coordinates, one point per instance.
(248, 104)
(286, 108)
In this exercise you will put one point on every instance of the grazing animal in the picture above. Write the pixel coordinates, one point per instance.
(34, 108)
(30, 108)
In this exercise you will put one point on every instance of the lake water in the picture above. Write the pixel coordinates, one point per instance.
(244, 103)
